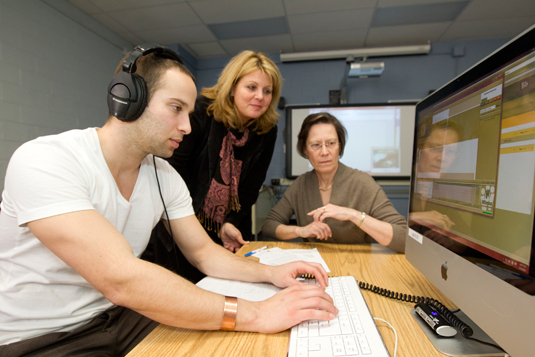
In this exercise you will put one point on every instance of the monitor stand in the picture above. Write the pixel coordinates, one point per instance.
(458, 345)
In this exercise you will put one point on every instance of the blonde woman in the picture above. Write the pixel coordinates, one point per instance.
(225, 158)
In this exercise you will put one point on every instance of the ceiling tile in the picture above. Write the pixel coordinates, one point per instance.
(252, 28)
(417, 14)
(330, 21)
(183, 35)
(315, 25)
(132, 38)
(395, 3)
(497, 9)
(329, 40)
(109, 22)
(406, 34)
(313, 6)
(156, 17)
(208, 49)
(86, 6)
(107, 5)
(487, 29)
(266, 44)
(220, 11)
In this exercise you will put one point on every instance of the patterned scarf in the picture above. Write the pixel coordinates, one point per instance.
(222, 196)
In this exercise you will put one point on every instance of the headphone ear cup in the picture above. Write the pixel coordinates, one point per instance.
(127, 91)
(137, 110)
(127, 96)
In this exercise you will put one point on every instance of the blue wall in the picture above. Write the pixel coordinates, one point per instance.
(404, 78)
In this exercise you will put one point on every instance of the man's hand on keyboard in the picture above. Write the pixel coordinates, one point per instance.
(285, 275)
(290, 307)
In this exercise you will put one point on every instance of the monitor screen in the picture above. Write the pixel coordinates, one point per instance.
(379, 137)
(471, 207)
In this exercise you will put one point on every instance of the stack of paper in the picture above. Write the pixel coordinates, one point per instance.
(277, 256)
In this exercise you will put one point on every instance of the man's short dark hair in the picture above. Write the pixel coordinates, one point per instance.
(151, 68)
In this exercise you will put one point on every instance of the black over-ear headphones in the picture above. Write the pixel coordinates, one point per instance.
(127, 92)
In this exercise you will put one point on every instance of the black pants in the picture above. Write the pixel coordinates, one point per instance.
(113, 333)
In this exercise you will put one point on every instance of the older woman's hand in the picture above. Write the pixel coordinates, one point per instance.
(382, 232)
(333, 211)
(318, 230)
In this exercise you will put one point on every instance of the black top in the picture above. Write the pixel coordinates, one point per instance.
(197, 156)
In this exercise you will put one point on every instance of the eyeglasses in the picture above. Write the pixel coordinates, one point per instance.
(328, 145)
(435, 149)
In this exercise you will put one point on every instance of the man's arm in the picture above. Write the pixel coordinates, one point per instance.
(88, 243)
(216, 261)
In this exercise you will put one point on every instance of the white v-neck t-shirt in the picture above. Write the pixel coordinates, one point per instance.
(57, 174)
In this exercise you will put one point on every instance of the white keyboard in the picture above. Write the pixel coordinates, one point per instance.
(352, 333)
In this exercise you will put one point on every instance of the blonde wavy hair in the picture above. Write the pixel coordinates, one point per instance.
(223, 108)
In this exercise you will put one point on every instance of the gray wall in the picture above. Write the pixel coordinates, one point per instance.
(54, 71)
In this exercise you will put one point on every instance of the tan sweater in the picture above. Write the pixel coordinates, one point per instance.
(351, 188)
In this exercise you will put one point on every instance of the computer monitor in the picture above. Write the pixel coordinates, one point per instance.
(379, 137)
(471, 207)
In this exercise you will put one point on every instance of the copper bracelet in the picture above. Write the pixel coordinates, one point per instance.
(229, 314)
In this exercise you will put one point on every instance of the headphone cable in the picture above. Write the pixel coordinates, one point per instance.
(165, 209)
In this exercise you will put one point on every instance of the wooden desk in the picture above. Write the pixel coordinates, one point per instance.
(373, 264)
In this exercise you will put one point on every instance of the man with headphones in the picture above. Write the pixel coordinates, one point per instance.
(77, 212)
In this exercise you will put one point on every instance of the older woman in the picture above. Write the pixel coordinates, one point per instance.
(225, 158)
(334, 203)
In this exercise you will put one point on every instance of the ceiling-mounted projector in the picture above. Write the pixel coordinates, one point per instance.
(366, 69)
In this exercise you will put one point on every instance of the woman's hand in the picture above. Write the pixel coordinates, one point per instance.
(333, 211)
(317, 230)
(231, 237)
(382, 232)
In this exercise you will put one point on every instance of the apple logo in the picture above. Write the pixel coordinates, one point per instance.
(444, 271)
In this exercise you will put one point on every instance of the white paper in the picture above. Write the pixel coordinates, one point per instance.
(277, 256)
(239, 289)
(261, 291)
